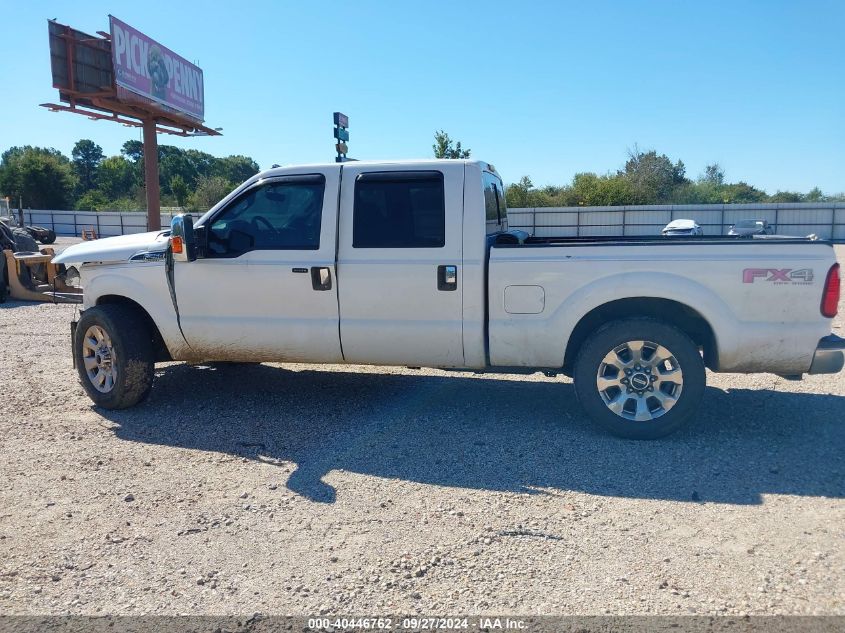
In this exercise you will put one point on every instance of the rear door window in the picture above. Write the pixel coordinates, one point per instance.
(399, 210)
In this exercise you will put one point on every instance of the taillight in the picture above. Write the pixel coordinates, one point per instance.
(830, 298)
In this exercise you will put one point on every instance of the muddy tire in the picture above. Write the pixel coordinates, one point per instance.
(114, 356)
(639, 378)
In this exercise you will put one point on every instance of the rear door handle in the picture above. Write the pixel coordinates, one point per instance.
(447, 277)
(321, 278)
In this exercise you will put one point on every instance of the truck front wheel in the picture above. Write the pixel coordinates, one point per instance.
(114, 356)
(639, 378)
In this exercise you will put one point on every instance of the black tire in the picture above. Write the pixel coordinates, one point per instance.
(683, 399)
(49, 237)
(134, 358)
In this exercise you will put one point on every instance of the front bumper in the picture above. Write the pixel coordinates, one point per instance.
(830, 355)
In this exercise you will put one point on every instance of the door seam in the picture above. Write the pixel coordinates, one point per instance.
(336, 254)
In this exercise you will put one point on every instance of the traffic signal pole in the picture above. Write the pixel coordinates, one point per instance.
(341, 134)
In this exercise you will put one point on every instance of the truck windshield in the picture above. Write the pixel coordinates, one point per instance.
(496, 210)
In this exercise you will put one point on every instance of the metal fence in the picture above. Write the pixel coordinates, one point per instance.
(105, 223)
(825, 219)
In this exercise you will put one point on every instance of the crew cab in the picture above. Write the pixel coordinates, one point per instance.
(413, 264)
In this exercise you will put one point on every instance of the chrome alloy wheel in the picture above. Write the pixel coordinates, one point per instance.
(99, 359)
(640, 380)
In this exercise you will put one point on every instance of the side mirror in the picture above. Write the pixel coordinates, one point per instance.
(183, 241)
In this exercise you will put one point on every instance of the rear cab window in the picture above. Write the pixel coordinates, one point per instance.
(399, 210)
(496, 211)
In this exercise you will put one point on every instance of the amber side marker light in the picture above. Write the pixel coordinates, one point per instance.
(832, 287)
(176, 244)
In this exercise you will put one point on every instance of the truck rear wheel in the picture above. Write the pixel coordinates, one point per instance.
(114, 356)
(639, 378)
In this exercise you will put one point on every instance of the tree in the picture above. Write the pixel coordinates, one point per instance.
(701, 192)
(713, 174)
(815, 195)
(210, 190)
(652, 177)
(203, 162)
(116, 178)
(93, 200)
(42, 178)
(235, 168)
(787, 196)
(518, 195)
(133, 150)
(741, 193)
(87, 156)
(176, 163)
(443, 147)
(179, 189)
(591, 190)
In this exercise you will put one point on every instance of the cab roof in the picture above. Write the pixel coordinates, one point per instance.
(422, 163)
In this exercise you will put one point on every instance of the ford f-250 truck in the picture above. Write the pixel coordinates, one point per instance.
(413, 264)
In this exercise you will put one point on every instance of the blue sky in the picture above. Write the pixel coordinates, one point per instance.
(545, 89)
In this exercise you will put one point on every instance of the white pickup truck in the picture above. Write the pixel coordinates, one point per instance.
(413, 264)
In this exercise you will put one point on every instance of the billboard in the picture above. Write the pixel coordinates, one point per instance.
(144, 67)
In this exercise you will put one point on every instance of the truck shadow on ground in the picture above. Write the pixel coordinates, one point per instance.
(490, 434)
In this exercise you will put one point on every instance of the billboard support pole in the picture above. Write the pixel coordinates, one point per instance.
(151, 176)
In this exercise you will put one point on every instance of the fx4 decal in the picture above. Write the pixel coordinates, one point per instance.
(778, 276)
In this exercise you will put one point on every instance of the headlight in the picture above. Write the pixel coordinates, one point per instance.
(72, 278)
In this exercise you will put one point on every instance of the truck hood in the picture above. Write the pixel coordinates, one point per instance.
(114, 249)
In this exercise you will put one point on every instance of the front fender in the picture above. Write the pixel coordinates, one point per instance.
(146, 285)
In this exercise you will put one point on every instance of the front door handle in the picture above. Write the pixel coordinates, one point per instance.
(447, 277)
(321, 278)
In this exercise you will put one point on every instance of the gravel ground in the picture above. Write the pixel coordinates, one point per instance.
(353, 490)
(63, 242)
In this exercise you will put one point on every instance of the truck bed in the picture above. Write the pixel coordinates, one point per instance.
(758, 298)
(656, 240)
